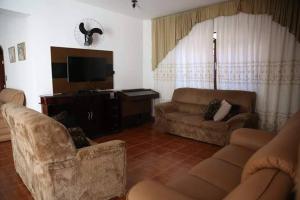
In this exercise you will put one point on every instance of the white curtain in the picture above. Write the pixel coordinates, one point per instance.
(256, 54)
(189, 64)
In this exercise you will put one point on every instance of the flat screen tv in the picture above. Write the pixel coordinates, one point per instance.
(81, 69)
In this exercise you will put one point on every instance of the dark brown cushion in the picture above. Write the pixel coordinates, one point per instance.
(212, 108)
(235, 109)
(78, 137)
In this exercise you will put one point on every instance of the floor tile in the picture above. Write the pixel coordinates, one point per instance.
(150, 155)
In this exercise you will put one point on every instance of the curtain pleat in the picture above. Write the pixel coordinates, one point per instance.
(167, 31)
(189, 64)
(257, 54)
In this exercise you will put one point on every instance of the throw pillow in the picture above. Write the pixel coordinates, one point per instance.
(65, 118)
(78, 137)
(223, 111)
(235, 110)
(212, 108)
(76, 133)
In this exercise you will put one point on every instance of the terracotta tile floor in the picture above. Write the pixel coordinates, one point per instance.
(150, 154)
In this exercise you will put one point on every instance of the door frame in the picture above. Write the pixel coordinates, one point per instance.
(3, 64)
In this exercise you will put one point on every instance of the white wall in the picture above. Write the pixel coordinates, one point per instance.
(148, 81)
(19, 74)
(52, 23)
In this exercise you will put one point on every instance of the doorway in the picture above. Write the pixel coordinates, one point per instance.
(2, 71)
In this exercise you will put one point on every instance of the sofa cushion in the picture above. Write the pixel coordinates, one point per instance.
(196, 188)
(219, 173)
(245, 99)
(152, 190)
(163, 108)
(197, 121)
(250, 138)
(234, 154)
(194, 120)
(265, 184)
(190, 119)
(176, 116)
(215, 126)
(191, 108)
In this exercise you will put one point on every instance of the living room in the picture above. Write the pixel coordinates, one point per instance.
(149, 99)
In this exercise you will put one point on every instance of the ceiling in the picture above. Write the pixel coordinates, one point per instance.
(9, 13)
(149, 9)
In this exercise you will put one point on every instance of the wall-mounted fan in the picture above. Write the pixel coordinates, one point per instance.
(134, 3)
(88, 32)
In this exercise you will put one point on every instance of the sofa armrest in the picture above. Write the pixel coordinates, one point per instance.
(164, 108)
(251, 138)
(152, 190)
(243, 120)
(102, 168)
(96, 150)
(9, 95)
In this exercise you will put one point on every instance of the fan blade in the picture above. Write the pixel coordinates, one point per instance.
(96, 30)
(82, 29)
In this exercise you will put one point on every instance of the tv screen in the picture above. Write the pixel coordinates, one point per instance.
(82, 69)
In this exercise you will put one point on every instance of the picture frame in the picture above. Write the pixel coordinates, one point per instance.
(21, 51)
(12, 54)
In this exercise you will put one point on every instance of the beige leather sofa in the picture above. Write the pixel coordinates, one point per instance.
(53, 169)
(184, 115)
(255, 165)
(13, 96)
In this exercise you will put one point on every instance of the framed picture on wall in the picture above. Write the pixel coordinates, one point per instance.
(12, 54)
(21, 51)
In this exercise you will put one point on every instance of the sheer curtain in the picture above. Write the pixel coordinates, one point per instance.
(189, 64)
(256, 54)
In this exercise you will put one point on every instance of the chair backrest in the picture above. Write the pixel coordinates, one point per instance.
(43, 138)
(12, 95)
(246, 100)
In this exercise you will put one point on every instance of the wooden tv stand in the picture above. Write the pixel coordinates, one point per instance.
(100, 112)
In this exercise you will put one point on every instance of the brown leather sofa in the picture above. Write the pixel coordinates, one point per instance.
(9, 95)
(52, 168)
(184, 115)
(255, 165)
